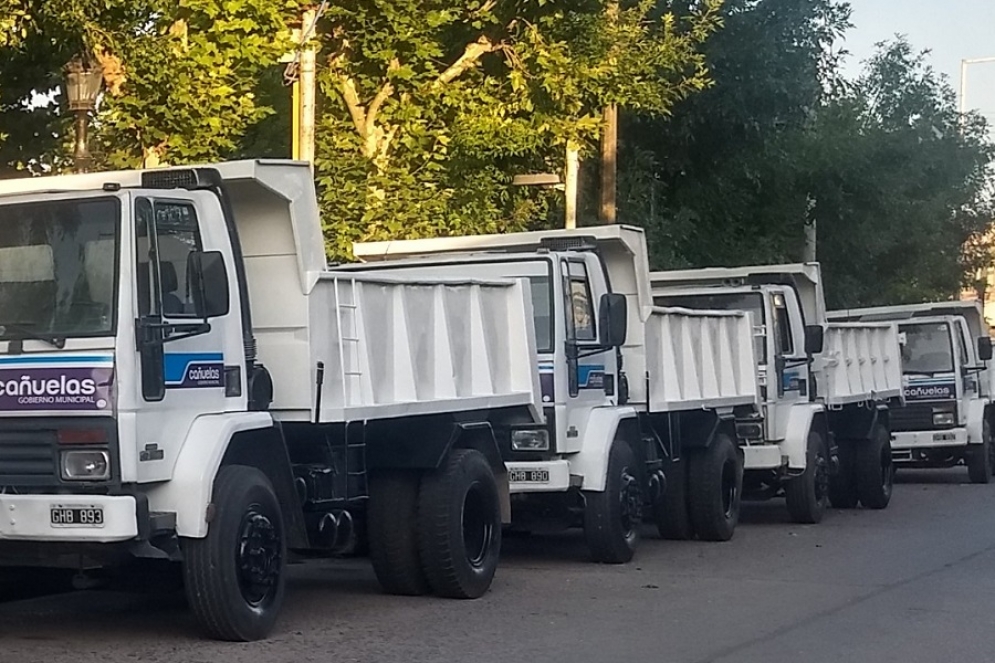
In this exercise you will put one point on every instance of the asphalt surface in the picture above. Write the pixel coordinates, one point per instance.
(913, 583)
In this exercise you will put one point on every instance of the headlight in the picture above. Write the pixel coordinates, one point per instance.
(530, 440)
(86, 466)
(943, 418)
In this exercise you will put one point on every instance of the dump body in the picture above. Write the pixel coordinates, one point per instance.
(699, 359)
(860, 363)
(674, 350)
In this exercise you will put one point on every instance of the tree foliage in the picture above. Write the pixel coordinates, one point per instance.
(884, 165)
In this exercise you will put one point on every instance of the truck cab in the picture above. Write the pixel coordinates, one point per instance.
(946, 417)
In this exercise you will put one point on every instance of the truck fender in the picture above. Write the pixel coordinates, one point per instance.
(977, 410)
(801, 419)
(591, 463)
(188, 493)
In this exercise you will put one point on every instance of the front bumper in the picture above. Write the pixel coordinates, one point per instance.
(763, 457)
(557, 473)
(28, 518)
(953, 437)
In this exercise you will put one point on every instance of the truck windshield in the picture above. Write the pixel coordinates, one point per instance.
(751, 302)
(57, 268)
(927, 348)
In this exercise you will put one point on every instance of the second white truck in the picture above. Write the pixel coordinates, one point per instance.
(827, 388)
(641, 402)
(947, 416)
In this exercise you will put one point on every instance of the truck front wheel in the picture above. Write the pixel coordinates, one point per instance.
(874, 469)
(979, 457)
(459, 526)
(808, 495)
(715, 482)
(612, 517)
(234, 576)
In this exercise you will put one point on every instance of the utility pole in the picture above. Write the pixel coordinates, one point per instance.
(810, 231)
(301, 76)
(570, 183)
(608, 212)
(609, 166)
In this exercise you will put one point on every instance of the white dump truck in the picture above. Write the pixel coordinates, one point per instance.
(183, 379)
(827, 388)
(947, 416)
(641, 402)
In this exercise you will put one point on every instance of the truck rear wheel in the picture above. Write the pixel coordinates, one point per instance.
(459, 526)
(807, 496)
(234, 576)
(612, 517)
(874, 469)
(392, 532)
(979, 457)
(715, 482)
(843, 484)
(670, 511)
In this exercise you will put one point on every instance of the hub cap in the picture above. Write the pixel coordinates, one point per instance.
(259, 557)
(478, 527)
(631, 506)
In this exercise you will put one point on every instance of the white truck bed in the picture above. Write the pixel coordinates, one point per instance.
(398, 347)
(699, 359)
(861, 361)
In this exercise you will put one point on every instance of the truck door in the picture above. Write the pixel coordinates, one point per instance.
(586, 386)
(180, 378)
(791, 382)
(970, 379)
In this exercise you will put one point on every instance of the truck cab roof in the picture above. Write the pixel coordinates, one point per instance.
(970, 311)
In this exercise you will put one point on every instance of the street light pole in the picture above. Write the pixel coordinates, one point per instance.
(964, 64)
(83, 81)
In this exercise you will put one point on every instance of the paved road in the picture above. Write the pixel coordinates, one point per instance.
(914, 583)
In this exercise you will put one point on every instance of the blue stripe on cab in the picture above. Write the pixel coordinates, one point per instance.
(56, 359)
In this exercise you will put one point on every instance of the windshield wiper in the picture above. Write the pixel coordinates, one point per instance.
(57, 342)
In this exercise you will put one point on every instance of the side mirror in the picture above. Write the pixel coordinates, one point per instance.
(984, 348)
(208, 284)
(815, 339)
(613, 319)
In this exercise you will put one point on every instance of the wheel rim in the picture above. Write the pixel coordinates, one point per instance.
(259, 558)
(730, 488)
(478, 527)
(631, 505)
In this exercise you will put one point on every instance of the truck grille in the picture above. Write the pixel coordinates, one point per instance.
(913, 417)
(27, 458)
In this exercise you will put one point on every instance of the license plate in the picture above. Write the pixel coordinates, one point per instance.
(77, 516)
(528, 476)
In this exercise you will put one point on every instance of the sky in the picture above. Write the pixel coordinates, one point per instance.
(953, 30)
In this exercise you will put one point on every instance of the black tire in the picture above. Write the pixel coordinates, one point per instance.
(874, 474)
(234, 577)
(392, 533)
(843, 484)
(807, 496)
(612, 517)
(459, 526)
(979, 457)
(670, 512)
(715, 488)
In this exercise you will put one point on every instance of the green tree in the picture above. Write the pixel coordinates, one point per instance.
(431, 107)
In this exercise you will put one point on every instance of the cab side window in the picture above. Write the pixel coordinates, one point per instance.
(783, 342)
(580, 309)
(167, 234)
